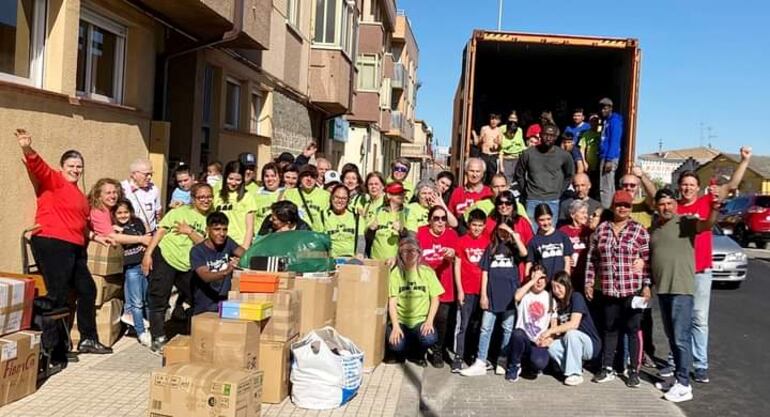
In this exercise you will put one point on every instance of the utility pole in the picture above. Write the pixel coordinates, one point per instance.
(499, 14)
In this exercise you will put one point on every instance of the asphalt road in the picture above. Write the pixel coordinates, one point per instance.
(739, 356)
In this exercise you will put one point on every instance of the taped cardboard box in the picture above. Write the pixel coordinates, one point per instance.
(177, 350)
(192, 390)
(108, 324)
(284, 323)
(108, 287)
(224, 342)
(363, 295)
(319, 302)
(16, 297)
(105, 260)
(275, 362)
(285, 279)
(19, 354)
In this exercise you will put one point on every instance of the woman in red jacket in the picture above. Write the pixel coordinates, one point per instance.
(59, 244)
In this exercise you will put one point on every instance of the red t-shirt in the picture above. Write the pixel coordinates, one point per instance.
(62, 209)
(462, 198)
(523, 228)
(579, 236)
(432, 247)
(701, 208)
(470, 251)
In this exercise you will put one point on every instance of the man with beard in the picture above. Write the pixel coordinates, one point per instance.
(546, 171)
(512, 146)
(673, 245)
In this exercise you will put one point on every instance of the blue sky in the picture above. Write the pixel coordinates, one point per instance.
(703, 61)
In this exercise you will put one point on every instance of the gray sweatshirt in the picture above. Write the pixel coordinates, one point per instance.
(544, 176)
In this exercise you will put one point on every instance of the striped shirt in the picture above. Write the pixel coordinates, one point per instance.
(611, 259)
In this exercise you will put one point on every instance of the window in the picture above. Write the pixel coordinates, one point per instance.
(335, 24)
(256, 110)
(292, 12)
(368, 72)
(101, 46)
(385, 92)
(22, 35)
(232, 104)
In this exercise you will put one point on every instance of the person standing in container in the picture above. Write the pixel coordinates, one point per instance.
(59, 243)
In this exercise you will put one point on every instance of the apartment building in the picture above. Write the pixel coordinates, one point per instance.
(382, 116)
(420, 152)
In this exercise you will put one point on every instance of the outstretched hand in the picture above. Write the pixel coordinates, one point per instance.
(24, 138)
(745, 152)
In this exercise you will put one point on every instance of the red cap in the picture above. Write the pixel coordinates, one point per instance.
(622, 197)
(533, 130)
(395, 188)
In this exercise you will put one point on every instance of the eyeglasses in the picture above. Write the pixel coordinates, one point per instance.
(145, 173)
(624, 205)
(400, 168)
(336, 198)
(505, 203)
(439, 218)
(629, 185)
(204, 197)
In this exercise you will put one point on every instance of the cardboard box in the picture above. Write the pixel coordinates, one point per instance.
(177, 350)
(16, 297)
(319, 302)
(363, 302)
(108, 287)
(245, 310)
(285, 279)
(284, 323)
(108, 324)
(19, 354)
(191, 390)
(105, 260)
(275, 362)
(224, 342)
(40, 290)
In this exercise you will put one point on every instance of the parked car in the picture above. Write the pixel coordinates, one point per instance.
(730, 263)
(747, 219)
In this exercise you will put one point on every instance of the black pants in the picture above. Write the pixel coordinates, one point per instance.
(162, 278)
(467, 310)
(649, 346)
(441, 324)
(619, 317)
(64, 268)
(491, 161)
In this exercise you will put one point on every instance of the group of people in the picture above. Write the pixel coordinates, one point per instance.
(566, 278)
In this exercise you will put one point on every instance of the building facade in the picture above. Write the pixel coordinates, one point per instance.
(721, 169)
(660, 165)
(420, 153)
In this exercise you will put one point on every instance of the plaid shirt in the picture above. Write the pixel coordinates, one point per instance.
(611, 259)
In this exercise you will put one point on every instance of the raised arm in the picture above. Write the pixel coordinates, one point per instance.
(43, 173)
(737, 177)
(649, 187)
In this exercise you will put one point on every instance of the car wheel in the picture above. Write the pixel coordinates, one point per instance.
(761, 245)
(739, 235)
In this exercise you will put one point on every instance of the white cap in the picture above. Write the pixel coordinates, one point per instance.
(331, 176)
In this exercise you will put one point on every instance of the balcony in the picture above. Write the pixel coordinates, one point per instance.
(400, 128)
(397, 81)
(414, 151)
(330, 76)
(209, 20)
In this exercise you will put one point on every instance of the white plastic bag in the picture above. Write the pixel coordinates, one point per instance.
(326, 370)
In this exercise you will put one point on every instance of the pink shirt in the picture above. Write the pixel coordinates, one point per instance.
(100, 221)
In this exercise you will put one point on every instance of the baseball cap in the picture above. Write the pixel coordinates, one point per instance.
(533, 130)
(605, 101)
(664, 193)
(247, 159)
(395, 188)
(331, 176)
(622, 197)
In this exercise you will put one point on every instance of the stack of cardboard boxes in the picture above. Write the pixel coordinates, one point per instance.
(106, 266)
(19, 348)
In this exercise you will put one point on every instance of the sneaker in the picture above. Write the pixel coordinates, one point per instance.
(499, 369)
(702, 376)
(128, 319)
(478, 368)
(436, 360)
(513, 373)
(664, 386)
(605, 375)
(158, 344)
(678, 393)
(666, 371)
(145, 339)
(648, 362)
(573, 380)
(632, 380)
(457, 365)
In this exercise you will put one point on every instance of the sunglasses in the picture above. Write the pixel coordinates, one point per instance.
(629, 184)
(505, 203)
(400, 168)
(624, 205)
(439, 218)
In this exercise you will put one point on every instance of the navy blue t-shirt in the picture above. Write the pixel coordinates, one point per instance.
(549, 251)
(207, 295)
(577, 304)
(502, 278)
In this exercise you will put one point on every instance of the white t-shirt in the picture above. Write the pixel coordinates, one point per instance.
(146, 203)
(534, 314)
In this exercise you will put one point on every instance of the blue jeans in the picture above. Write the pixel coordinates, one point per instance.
(464, 314)
(570, 350)
(524, 349)
(700, 320)
(676, 314)
(136, 296)
(413, 340)
(531, 204)
(488, 320)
